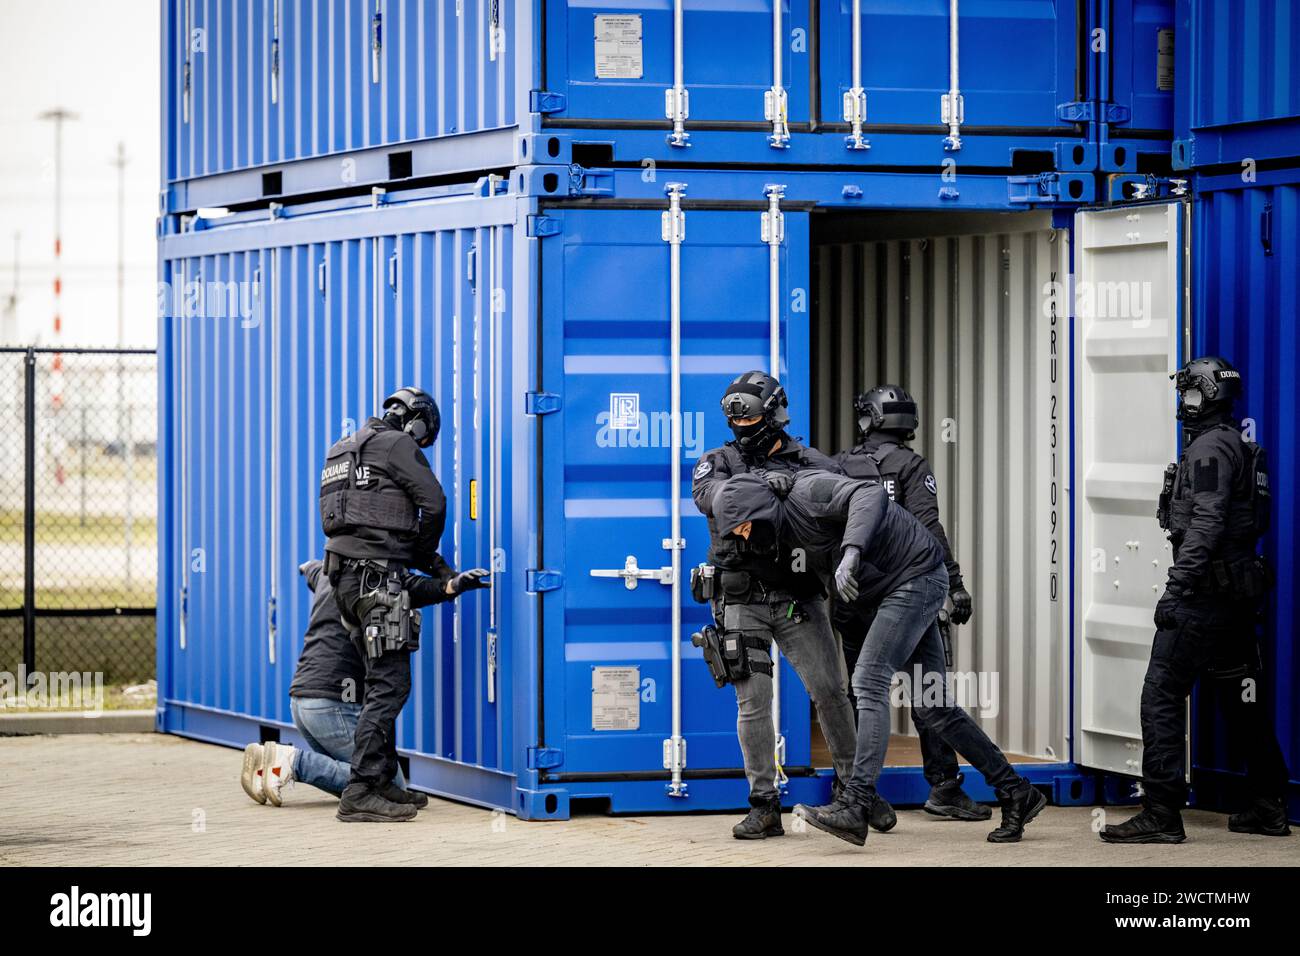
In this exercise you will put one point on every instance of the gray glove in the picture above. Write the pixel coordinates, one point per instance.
(846, 575)
(470, 580)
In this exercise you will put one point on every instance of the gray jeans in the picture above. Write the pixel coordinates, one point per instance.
(805, 637)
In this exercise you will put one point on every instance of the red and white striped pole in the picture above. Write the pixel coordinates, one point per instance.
(58, 116)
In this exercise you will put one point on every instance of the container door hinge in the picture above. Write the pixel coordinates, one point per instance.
(541, 403)
(537, 580)
(539, 227)
(1087, 111)
(1039, 188)
(586, 182)
(544, 758)
(540, 101)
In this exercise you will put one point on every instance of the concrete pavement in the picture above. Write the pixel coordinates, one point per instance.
(147, 799)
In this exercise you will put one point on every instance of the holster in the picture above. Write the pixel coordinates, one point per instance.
(703, 583)
(727, 654)
(1245, 579)
(390, 624)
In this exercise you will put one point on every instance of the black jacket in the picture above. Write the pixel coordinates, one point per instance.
(329, 664)
(909, 481)
(720, 464)
(395, 462)
(1212, 517)
(825, 513)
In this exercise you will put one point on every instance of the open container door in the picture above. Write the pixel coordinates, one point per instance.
(1129, 306)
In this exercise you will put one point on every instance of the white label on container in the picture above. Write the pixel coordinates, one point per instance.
(1165, 59)
(615, 698)
(618, 47)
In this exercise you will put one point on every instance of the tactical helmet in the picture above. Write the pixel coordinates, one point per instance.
(411, 409)
(887, 408)
(756, 395)
(1206, 386)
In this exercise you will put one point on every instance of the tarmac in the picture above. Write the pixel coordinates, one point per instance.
(156, 800)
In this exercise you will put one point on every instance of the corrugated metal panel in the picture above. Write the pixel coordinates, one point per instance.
(1246, 296)
(1239, 82)
(905, 53)
(253, 82)
(964, 323)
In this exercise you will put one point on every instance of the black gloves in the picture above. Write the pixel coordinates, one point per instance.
(780, 482)
(1165, 619)
(846, 575)
(470, 580)
(962, 608)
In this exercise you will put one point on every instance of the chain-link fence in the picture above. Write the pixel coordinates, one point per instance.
(78, 513)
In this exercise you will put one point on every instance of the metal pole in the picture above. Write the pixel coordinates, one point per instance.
(674, 232)
(773, 233)
(123, 414)
(676, 98)
(855, 99)
(775, 101)
(953, 107)
(81, 478)
(29, 514)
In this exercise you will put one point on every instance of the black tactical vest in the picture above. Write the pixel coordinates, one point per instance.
(355, 495)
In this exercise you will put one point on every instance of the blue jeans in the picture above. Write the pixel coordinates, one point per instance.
(329, 727)
(904, 635)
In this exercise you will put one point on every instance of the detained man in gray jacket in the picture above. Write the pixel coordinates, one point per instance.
(872, 550)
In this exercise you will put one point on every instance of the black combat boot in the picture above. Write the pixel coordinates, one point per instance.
(1266, 816)
(948, 799)
(881, 815)
(1152, 825)
(764, 820)
(412, 797)
(1024, 803)
(843, 818)
(363, 804)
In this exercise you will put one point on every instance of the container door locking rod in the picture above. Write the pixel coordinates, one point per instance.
(953, 107)
(674, 232)
(773, 233)
(676, 106)
(775, 101)
(855, 98)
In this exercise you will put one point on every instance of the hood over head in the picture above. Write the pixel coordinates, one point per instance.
(747, 497)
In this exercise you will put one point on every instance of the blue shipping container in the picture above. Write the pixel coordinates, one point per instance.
(278, 98)
(544, 328)
(1238, 78)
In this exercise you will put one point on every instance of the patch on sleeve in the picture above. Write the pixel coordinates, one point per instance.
(1205, 475)
(931, 485)
(703, 468)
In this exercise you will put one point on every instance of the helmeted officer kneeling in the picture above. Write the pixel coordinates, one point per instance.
(887, 419)
(383, 512)
(759, 596)
(1215, 505)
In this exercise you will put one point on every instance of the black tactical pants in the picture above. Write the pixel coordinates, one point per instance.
(1215, 639)
(388, 684)
(938, 759)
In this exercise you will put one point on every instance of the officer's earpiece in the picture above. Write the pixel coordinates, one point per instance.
(417, 429)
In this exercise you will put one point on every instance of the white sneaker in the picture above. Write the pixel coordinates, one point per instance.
(277, 770)
(250, 778)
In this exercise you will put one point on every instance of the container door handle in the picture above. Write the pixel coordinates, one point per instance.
(952, 106)
(633, 574)
(676, 101)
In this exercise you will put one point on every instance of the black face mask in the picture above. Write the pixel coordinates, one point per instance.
(757, 439)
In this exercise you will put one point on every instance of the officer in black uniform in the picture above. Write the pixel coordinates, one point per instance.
(1214, 505)
(383, 511)
(757, 598)
(887, 419)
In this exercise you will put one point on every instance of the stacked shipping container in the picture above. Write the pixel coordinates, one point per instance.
(491, 199)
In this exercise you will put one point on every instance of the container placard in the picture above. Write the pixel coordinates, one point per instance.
(618, 47)
(615, 698)
(1165, 59)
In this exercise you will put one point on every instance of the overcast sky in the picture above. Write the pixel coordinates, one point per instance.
(98, 59)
